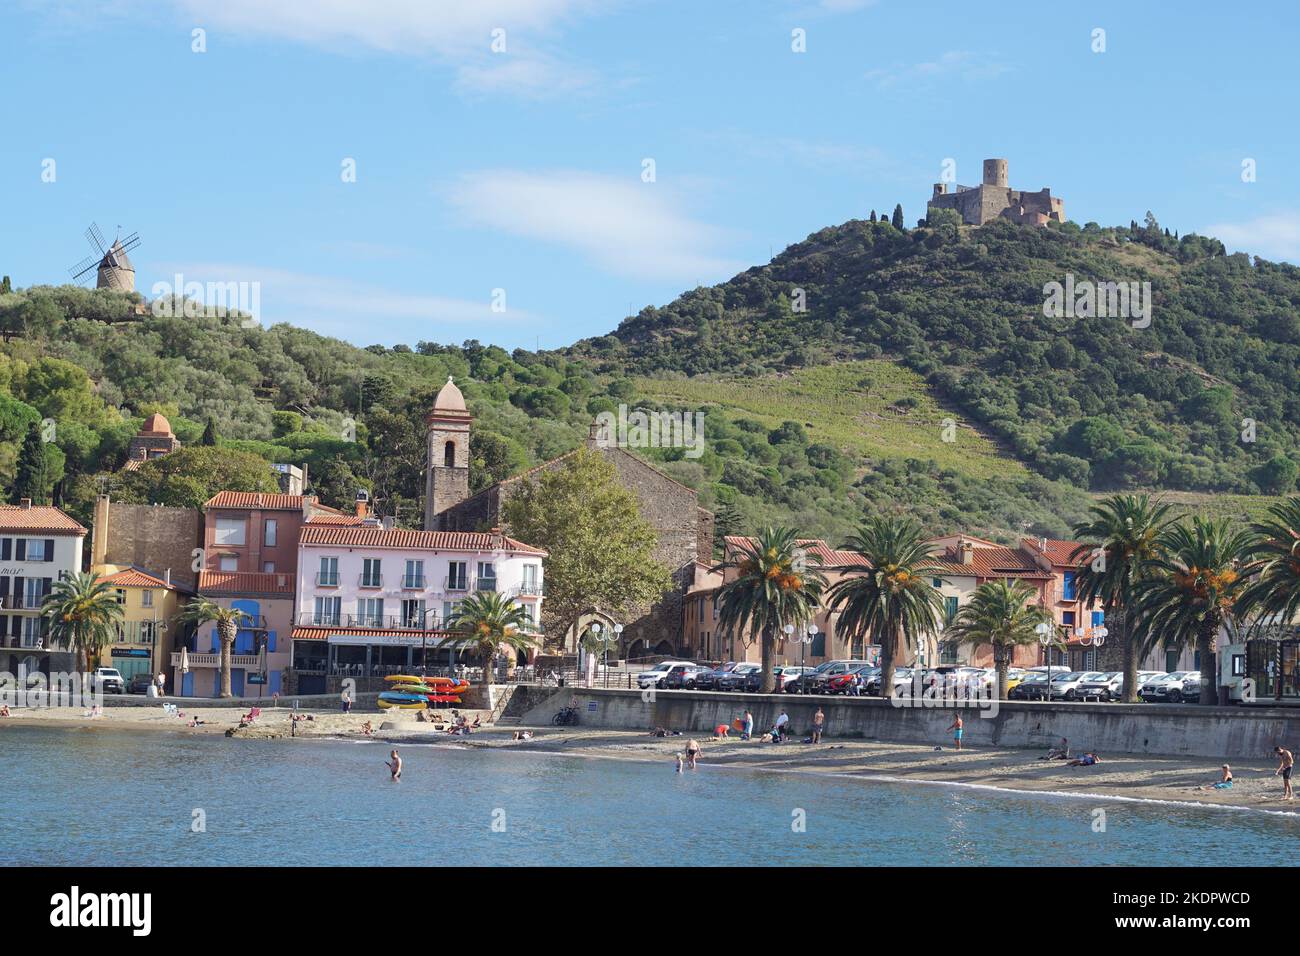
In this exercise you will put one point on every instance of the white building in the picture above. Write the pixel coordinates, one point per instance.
(39, 545)
(373, 601)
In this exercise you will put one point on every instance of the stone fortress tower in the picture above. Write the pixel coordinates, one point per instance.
(995, 199)
(446, 481)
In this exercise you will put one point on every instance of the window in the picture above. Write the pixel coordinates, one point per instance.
(370, 576)
(701, 605)
(229, 531)
(449, 609)
(1069, 591)
(449, 455)
(530, 580)
(146, 599)
(413, 577)
(949, 609)
(268, 567)
(487, 576)
(327, 611)
(269, 532)
(1098, 617)
(36, 550)
(456, 574)
(370, 612)
(412, 613)
(328, 576)
(1067, 618)
(229, 563)
(119, 595)
(33, 633)
(937, 582)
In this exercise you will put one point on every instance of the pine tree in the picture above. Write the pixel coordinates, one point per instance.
(873, 216)
(727, 521)
(6, 286)
(898, 217)
(209, 438)
(31, 479)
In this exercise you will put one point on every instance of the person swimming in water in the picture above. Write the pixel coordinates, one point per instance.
(395, 766)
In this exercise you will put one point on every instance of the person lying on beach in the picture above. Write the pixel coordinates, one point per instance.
(1225, 781)
(523, 735)
(1087, 760)
(195, 722)
(1058, 753)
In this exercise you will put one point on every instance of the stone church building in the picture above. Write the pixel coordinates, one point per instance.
(684, 529)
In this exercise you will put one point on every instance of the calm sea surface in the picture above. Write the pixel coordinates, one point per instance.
(103, 797)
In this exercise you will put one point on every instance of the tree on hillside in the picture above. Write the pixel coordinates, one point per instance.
(727, 521)
(188, 477)
(209, 439)
(1119, 541)
(35, 476)
(897, 221)
(776, 584)
(601, 550)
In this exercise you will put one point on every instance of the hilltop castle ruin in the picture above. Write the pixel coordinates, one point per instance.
(994, 199)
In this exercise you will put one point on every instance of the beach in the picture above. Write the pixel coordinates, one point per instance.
(1139, 777)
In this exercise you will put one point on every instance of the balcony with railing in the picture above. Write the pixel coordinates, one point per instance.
(485, 583)
(527, 589)
(327, 579)
(214, 660)
(413, 582)
(455, 582)
(373, 581)
(384, 622)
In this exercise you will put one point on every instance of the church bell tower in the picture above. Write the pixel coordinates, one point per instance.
(446, 481)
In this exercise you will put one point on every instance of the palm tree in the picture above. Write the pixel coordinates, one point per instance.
(777, 584)
(1273, 593)
(1120, 540)
(83, 612)
(892, 598)
(487, 620)
(1192, 590)
(999, 616)
(202, 611)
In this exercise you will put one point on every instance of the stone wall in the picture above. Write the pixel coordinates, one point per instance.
(151, 537)
(1231, 732)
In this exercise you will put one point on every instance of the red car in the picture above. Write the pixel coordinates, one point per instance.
(843, 683)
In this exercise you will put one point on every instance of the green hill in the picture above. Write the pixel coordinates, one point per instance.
(922, 376)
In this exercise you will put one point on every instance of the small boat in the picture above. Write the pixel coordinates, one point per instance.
(400, 701)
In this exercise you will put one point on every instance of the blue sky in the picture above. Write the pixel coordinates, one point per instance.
(522, 169)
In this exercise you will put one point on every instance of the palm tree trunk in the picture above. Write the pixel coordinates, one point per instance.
(1128, 646)
(1000, 662)
(1205, 642)
(227, 636)
(768, 683)
(489, 659)
(887, 666)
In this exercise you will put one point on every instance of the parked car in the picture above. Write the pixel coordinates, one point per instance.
(108, 680)
(843, 683)
(1173, 688)
(1111, 686)
(654, 675)
(788, 676)
(140, 684)
(902, 683)
(1066, 686)
(682, 676)
(806, 682)
(708, 679)
(1032, 687)
(734, 679)
(833, 669)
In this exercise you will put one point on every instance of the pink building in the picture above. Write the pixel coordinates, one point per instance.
(373, 601)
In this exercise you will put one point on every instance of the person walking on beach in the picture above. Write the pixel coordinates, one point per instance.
(395, 766)
(956, 727)
(749, 726)
(1285, 764)
(819, 723)
(347, 703)
(692, 751)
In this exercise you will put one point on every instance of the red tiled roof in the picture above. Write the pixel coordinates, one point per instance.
(373, 537)
(246, 582)
(321, 633)
(38, 518)
(995, 562)
(336, 518)
(267, 501)
(136, 578)
(1057, 551)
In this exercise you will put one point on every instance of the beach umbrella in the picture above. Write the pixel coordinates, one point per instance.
(185, 660)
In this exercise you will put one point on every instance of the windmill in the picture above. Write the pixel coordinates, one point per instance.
(114, 269)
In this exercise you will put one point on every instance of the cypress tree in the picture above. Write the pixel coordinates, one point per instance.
(898, 217)
(209, 438)
(30, 480)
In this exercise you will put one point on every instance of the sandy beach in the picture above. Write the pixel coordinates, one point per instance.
(1119, 776)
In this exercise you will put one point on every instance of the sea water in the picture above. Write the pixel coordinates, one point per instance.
(99, 797)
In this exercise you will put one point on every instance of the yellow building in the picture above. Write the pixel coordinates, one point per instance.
(149, 625)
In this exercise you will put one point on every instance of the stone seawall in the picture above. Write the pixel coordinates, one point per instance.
(1174, 729)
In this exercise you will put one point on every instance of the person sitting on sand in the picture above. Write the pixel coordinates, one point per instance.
(1225, 780)
(1087, 760)
(4, 710)
(1058, 753)
(478, 722)
(365, 728)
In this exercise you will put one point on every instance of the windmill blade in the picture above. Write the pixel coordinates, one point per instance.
(84, 266)
(96, 238)
(130, 242)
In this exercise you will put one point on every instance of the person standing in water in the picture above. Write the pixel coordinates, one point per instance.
(956, 727)
(1285, 764)
(692, 751)
(395, 766)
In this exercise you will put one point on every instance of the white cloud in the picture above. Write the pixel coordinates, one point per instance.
(627, 227)
(955, 64)
(1272, 237)
(344, 308)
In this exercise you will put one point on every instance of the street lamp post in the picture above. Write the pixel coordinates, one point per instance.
(810, 634)
(1044, 632)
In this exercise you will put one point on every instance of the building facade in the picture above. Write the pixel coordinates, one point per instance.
(159, 538)
(154, 440)
(39, 545)
(374, 601)
(150, 622)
